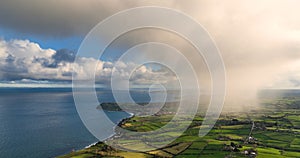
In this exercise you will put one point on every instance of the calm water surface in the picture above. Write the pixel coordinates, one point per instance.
(43, 122)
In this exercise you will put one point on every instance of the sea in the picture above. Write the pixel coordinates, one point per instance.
(43, 122)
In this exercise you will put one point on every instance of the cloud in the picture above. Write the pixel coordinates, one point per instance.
(26, 62)
(259, 40)
(69, 17)
(55, 18)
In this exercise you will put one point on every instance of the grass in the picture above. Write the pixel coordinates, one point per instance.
(276, 131)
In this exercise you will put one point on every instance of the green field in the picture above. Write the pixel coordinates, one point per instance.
(275, 134)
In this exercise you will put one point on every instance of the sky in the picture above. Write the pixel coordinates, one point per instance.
(259, 41)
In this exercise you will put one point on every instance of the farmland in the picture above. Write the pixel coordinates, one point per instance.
(273, 130)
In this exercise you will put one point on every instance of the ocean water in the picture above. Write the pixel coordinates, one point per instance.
(43, 122)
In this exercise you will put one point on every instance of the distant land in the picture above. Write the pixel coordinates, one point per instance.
(271, 131)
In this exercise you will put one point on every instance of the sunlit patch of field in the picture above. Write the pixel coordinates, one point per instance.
(276, 132)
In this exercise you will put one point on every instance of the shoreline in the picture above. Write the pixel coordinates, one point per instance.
(118, 124)
(121, 121)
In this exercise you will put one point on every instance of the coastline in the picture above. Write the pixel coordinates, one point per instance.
(120, 122)
(229, 137)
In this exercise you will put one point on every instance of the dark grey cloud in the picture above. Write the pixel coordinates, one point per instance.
(64, 55)
(59, 57)
(55, 18)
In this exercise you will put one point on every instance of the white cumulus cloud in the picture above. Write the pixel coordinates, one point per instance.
(21, 60)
